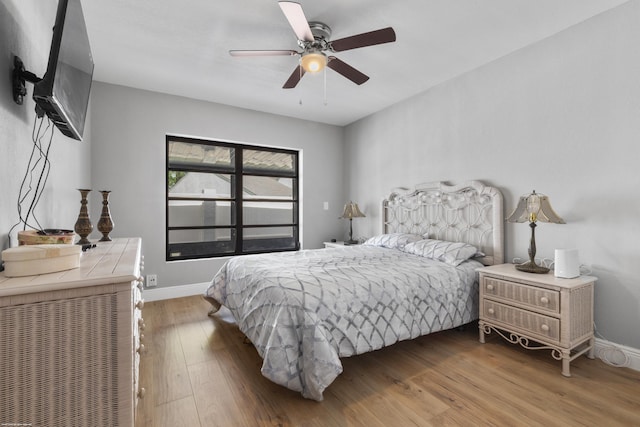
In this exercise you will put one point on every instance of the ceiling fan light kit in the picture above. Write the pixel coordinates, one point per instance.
(313, 62)
(313, 38)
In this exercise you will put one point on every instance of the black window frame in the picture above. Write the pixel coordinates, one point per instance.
(207, 249)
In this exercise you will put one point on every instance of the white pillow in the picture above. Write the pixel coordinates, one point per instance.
(393, 240)
(453, 253)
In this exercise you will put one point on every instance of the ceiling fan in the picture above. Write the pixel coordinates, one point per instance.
(314, 40)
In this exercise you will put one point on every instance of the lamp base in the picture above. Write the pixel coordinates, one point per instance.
(532, 267)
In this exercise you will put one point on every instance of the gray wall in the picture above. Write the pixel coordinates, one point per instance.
(128, 158)
(561, 117)
(25, 30)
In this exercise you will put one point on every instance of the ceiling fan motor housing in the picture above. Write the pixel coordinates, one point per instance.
(321, 35)
(320, 30)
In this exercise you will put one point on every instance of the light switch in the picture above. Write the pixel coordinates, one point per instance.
(326, 206)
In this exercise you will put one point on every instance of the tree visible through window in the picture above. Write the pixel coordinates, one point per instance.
(230, 199)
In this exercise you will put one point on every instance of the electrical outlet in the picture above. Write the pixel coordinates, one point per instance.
(152, 280)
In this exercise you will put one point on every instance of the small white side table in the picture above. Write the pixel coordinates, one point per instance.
(334, 244)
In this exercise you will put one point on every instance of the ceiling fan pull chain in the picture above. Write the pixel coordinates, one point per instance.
(300, 73)
(324, 72)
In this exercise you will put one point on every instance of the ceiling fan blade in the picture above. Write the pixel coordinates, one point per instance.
(295, 15)
(384, 35)
(294, 78)
(262, 52)
(347, 70)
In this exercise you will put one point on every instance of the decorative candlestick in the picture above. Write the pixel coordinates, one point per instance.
(105, 224)
(83, 225)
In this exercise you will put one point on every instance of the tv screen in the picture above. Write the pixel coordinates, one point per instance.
(63, 92)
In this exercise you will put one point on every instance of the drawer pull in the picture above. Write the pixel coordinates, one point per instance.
(142, 349)
(544, 300)
(140, 304)
(141, 337)
(489, 287)
(545, 328)
(142, 392)
(141, 324)
(491, 311)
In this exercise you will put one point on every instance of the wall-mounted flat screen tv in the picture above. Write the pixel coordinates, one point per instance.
(63, 92)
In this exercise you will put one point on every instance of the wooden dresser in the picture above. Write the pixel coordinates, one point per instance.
(556, 314)
(70, 341)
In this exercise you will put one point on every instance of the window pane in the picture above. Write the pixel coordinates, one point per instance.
(200, 235)
(268, 239)
(257, 213)
(199, 184)
(199, 154)
(184, 244)
(263, 187)
(260, 160)
(198, 213)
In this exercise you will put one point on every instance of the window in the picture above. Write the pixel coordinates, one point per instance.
(230, 199)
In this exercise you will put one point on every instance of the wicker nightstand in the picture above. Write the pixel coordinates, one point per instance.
(555, 313)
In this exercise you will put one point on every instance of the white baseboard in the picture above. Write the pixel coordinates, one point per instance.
(616, 353)
(604, 349)
(157, 294)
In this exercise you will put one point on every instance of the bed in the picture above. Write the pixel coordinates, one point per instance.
(305, 310)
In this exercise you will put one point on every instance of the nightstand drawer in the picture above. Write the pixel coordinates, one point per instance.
(539, 299)
(536, 324)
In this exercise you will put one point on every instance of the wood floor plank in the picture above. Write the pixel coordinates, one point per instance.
(181, 412)
(164, 349)
(200, 371)
(217, 402)
(383, 375)
(381, 407)
(455, 391)
(172, 382)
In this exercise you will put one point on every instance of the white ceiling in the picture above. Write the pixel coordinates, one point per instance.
(181, 47)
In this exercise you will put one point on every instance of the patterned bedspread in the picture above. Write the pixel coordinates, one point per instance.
(305, 310)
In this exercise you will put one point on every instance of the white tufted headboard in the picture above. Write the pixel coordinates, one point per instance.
(470, 213)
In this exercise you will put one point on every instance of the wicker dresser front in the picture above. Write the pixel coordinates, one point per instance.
(68, 342)
(524, 307)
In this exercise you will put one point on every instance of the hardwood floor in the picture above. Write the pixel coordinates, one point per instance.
(198, 371)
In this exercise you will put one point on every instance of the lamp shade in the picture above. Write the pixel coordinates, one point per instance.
(534, 207)
(351, 210)
(313, 62)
